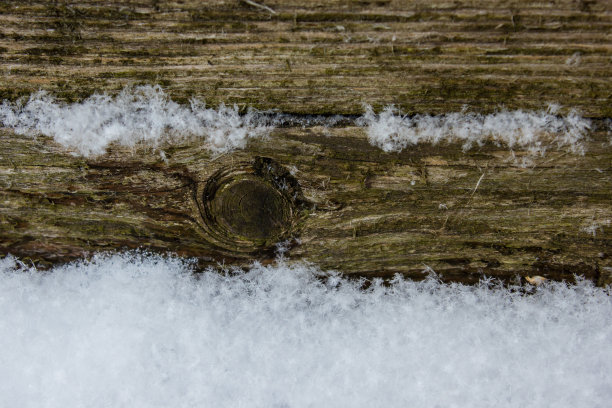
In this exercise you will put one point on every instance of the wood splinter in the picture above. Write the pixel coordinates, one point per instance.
(260, 6)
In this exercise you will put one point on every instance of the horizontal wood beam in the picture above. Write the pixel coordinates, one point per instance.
(335, 199)
(317, 56)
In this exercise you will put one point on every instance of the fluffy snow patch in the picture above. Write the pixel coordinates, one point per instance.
(137, 114)
(141, 330)
(532, 131)
(596, 226)
(147, 114)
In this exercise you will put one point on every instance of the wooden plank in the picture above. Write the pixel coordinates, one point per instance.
(355, 208)
(352, 206)
(316, 57)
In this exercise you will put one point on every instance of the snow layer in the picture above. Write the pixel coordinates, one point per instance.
(139, 330)
(529, 130)
(147, 114)
(143, 113)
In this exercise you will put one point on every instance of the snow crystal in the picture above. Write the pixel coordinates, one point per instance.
(529, 130)
(136, 329)
(143, 113)
(147, 114)
(596, 226)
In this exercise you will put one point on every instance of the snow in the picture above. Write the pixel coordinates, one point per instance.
(136, 329)
(534, 131)
(139, 114)
(147, 114)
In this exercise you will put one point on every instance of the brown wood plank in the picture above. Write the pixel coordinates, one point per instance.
(360, 210)
(308, 58)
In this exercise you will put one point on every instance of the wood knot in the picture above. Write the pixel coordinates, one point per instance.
(250, 206)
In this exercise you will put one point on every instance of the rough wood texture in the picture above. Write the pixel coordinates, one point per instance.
(355, 208)
(361, 210)
(316, 56)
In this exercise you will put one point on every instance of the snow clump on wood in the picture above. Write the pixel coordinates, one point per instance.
(139, 114)
(533, 131)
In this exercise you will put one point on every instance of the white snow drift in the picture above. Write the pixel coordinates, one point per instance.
(140, 330)
(147, 114)
(527, 130)
(137, 114)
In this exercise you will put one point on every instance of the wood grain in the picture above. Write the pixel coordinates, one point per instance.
(362, 211)
(317, 56)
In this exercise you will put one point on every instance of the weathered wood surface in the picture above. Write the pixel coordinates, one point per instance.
(361, 210)
(316, 56)
(358, 209)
